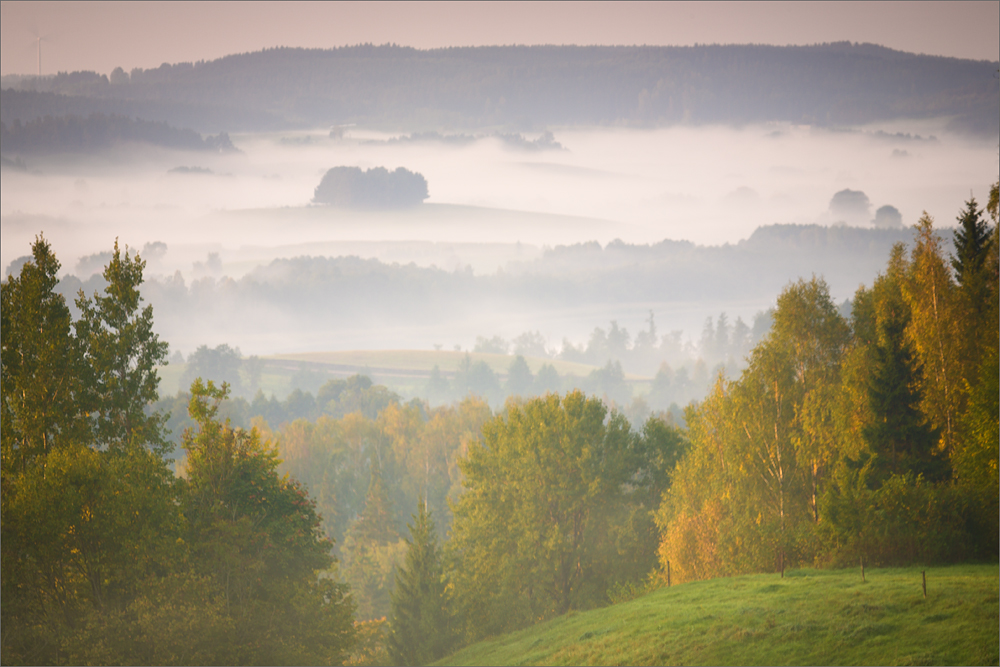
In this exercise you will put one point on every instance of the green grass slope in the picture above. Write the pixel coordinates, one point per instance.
(809, 617)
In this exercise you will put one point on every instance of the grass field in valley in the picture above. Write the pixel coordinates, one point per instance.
(405, 370)
(448, 361)
(809, 617)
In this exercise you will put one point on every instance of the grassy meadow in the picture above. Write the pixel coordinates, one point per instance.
(406, 371)
(808, 617)
(448, 361)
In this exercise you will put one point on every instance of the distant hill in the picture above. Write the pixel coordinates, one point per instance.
(532, 87)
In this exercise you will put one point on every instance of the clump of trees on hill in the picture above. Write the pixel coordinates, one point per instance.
(373, 188)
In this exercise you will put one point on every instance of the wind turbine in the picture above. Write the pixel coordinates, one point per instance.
(39, 38)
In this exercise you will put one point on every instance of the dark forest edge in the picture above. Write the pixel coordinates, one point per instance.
(529, 88)
(99, 132)
(871, 440)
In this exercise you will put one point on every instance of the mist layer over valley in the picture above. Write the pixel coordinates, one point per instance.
(647, 201)
(489, 237)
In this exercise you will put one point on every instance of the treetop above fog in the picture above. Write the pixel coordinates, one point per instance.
(373, 188)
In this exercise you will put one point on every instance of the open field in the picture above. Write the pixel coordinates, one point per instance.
(453, 223)
(422, 362)
(405, 371)
(809, 617)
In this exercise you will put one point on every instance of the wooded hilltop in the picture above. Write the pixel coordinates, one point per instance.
(529, 87)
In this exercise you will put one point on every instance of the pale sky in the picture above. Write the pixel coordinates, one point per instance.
(100, 36)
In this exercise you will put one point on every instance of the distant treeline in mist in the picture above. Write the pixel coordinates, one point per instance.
(98, 131)
(531, 87)
(315, 393)
(547, 141)
(327, 294)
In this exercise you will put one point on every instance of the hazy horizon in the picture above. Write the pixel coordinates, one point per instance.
(489, 205)
(639, 186)
(100, 36)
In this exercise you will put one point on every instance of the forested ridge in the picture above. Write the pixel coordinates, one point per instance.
(871, 438)
(530, 87)
(97, 131)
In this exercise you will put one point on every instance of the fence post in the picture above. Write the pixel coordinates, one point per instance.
(923, 575)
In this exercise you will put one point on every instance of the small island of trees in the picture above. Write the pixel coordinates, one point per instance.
(374, 188)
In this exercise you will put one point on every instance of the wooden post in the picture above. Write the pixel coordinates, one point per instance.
(782, 561)
(668, 574)
(862, 569)
(923, 575)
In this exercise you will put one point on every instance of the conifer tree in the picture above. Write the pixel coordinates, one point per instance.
(42, 365)
(375, 525)
(122, 352)
(972, 247)
(972, 238)
(899, 433)
(372, 550)
(420, 628)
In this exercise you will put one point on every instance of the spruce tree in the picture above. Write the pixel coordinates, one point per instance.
(972, 240)
(372, 549)
(899, 433)
(375, 524)
(420, 628)
(977, 287)
(122, 352)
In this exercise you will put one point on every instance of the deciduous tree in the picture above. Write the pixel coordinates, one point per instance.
(530, 530)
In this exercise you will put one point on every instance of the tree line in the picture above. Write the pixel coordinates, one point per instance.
(535, 86)
(73, 133)
(871, 439)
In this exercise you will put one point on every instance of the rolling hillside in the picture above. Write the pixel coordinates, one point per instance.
(808, 617)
